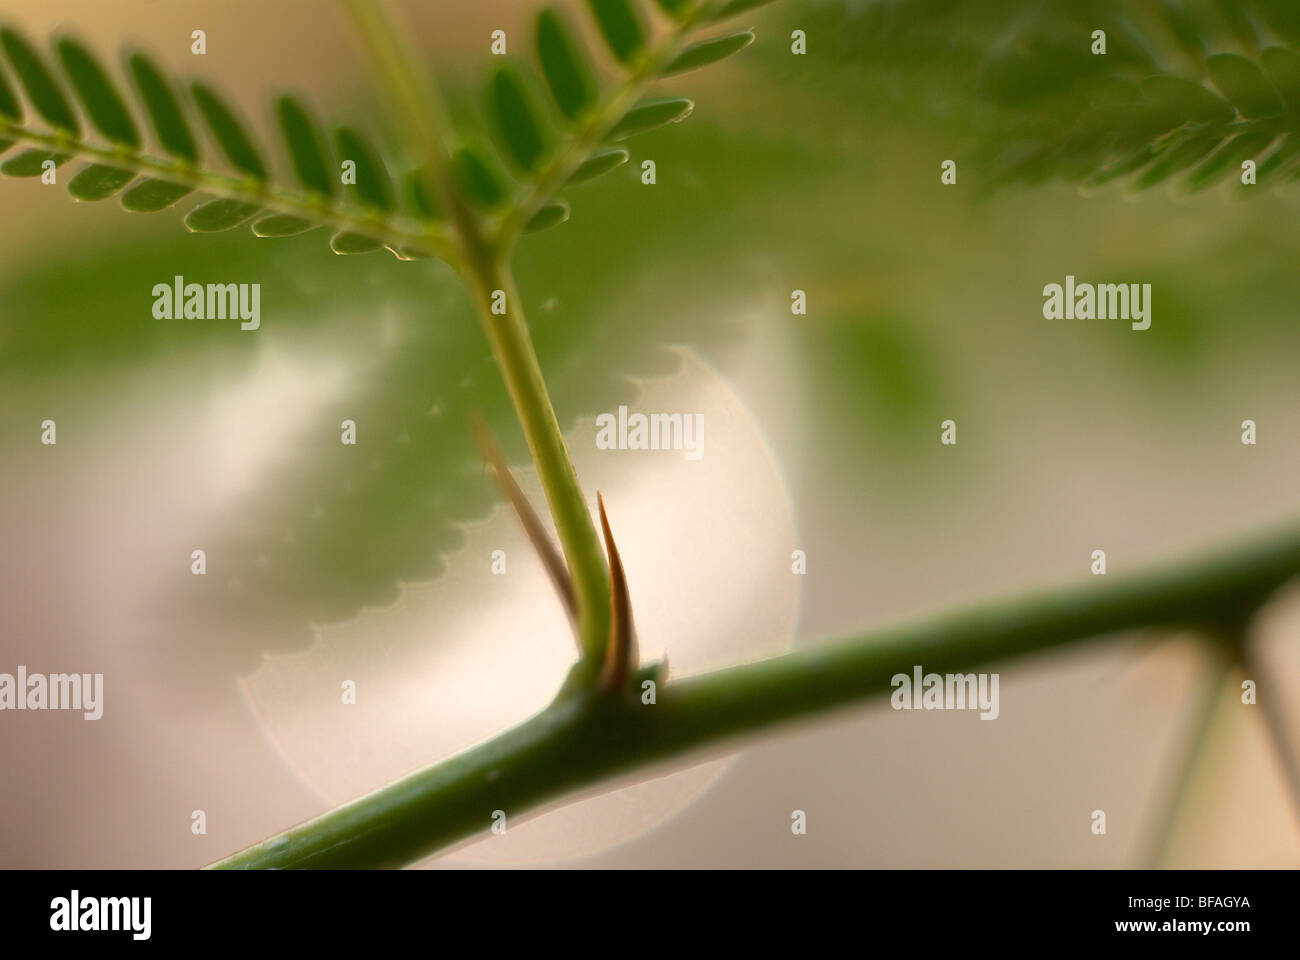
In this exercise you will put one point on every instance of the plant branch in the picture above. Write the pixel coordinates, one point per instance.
(594, 130)
(484, 267)
(552, 562)
(513, 350)
(585, 738)
(392, 230)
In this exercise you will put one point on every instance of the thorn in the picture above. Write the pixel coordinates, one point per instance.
(537, 534)
(621, 652)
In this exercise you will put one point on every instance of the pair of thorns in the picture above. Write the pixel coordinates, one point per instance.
(620, 651)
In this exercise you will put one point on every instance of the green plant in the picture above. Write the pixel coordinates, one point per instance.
(459, 207)
(1185, 93)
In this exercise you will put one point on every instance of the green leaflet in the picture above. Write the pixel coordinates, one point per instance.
(150, 196)
(1122, 168)
(217, 215)
(346, 243)
(1177, 101)
(9, 106)
(31, 163)
(1281, 158)
(567, 74)
(620, 26)
(709, 51)
(478, 179)
(518, 121)
(98, 95)
(98, 182)
(418, 198)
(281, 225)
(1184, 28)
(1240, 23)
(1175, 160)
(551, 215)
(1283, 69)
(305, 147)
(1243, 83)
(600, 162)
(229, 134)
(373, 184)
(649, 114)
(40, 86)
(160, 103)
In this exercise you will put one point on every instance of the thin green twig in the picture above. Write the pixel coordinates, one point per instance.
(512, 347)
(416, 104)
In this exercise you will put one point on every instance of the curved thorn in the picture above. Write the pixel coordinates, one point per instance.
(537, 535)
(621, 652)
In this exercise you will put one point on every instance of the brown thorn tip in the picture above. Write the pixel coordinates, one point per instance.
(621, 651)
(537, 535)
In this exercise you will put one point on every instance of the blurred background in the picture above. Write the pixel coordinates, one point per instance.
(372, 563)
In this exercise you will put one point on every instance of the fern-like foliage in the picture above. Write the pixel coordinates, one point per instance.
(244, 193)
(1185, 93)
(545, 149)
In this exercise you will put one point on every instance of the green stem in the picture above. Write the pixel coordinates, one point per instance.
(515, 357)
(416, 105)
(583, 739)
(483, 263)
